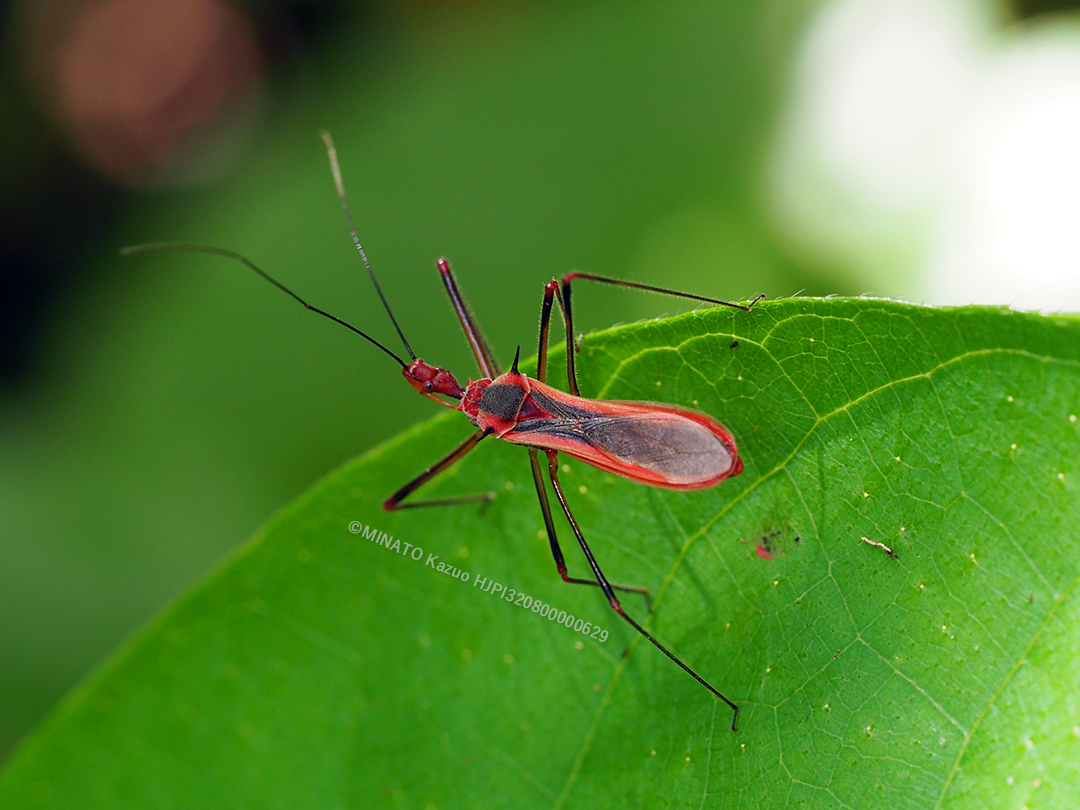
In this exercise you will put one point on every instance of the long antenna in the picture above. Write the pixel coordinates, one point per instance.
(165, 247)
(336, 170)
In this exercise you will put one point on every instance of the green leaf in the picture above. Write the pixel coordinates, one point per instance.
(320, 669)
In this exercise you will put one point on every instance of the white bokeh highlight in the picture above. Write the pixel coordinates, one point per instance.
(931, 152)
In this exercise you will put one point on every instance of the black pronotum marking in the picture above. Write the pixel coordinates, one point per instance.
(503, 401)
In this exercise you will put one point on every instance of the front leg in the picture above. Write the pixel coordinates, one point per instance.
(568, 315)
(394, 502)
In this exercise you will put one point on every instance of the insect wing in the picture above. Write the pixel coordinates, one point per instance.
(659, 445)
(681, 451)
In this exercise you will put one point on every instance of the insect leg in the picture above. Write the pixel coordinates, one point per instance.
(485, 358)
(613, 600)
(395, 501)
(568, 317)
(550, 291)
(556, 551)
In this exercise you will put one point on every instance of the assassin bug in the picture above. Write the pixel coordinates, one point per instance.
(659, 445)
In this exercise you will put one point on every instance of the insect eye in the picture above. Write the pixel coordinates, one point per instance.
(429, 387)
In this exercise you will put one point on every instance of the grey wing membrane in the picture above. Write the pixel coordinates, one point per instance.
(678, 448)
(681, 450)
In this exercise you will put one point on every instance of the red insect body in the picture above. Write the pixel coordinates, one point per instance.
(658, 445)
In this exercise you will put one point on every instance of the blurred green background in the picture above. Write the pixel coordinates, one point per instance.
(154, 411)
